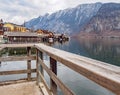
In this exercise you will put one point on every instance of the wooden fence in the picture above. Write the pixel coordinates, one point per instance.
(102, 73)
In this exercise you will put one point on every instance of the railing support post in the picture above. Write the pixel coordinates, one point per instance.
(41, 68)
(53, 67)
(29, 63)
(38, 66)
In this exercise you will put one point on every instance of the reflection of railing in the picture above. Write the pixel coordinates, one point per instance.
(102, 73)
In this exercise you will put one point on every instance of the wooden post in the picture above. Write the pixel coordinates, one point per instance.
(38, 66)
(53, 67)
(41, 68)
(29, 63)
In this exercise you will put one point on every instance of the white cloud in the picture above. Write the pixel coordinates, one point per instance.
(18, 11)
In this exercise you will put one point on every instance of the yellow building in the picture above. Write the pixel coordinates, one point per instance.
(14, 28)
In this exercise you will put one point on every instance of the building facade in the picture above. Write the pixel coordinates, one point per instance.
(13, 27)
(21, 37)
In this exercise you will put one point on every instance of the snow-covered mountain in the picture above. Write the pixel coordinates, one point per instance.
(66, 21)
(105, 23)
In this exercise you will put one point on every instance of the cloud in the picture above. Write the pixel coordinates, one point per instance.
(18, 11)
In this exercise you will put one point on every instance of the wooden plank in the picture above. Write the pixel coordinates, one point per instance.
(37, 67)
(41, 57)
(65, 90)
(42, 87)
(53, 67)
(17, 45)
(17, 58)
(45, 84)
(3, 83)
(17, 72)
(102, 73)
(29, 63)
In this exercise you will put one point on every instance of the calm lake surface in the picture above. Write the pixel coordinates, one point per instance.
(107, 50)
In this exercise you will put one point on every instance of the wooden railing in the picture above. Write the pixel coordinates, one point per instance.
(102, 73)
(27, 58)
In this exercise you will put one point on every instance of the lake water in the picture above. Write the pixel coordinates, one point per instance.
(107, 50)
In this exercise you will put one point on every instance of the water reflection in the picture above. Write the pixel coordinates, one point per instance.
(107, 50)
(15, 51)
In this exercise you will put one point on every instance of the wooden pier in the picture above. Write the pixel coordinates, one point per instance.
(102, 73)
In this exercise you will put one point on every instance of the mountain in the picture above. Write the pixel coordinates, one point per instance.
(105, 23)
(66, 21)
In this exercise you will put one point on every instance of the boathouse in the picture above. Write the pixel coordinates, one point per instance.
(21, 37)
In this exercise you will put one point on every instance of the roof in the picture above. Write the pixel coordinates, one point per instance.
(30, 34)
(13, 24)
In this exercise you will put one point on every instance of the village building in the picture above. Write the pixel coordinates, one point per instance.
(1, 27)
(21, 37)
(39, 32)
(13, 27)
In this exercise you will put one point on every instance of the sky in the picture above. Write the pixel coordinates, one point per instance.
(19, 11)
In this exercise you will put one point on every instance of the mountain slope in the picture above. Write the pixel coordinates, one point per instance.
(106, 22)
(68, 21)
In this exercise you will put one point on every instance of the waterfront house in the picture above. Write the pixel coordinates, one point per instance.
(21, 37)
(14, 27)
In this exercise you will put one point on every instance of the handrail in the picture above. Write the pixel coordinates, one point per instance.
(102, 73)
(27, 58)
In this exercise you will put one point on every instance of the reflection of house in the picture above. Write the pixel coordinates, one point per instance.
(21, 37)
(1, 27)
(13, 27)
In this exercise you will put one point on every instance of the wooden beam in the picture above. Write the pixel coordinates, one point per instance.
(53, 67)
(42, 87)
(29, 63)
(45, 83)
(37, 67)
(41, 57)
(102, 73)
(17, 58)
(64, 88)
(16, 45)
(15, 81)
(17, 72)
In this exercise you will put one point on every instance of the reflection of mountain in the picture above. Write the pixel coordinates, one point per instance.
(104, 50)
(106, 22)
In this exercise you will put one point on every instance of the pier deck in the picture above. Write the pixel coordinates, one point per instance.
(25, 88)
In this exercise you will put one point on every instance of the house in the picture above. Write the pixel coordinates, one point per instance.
(1, 27)
(14, 27)
(21, 37)
(39, 32)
